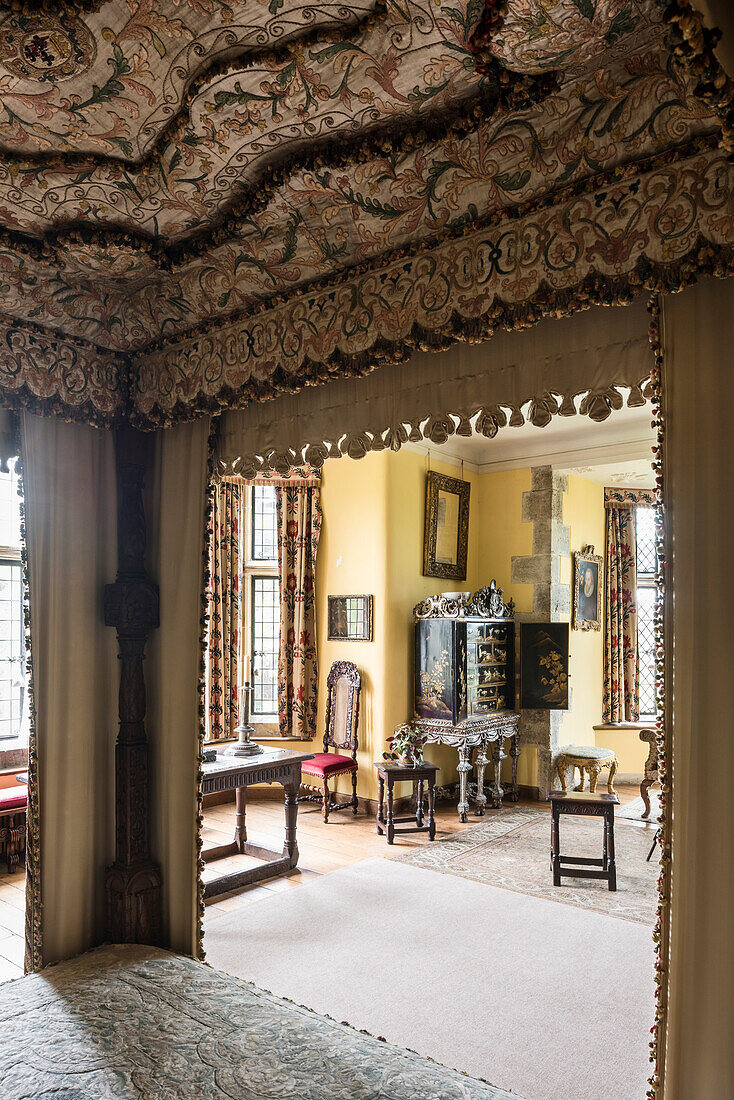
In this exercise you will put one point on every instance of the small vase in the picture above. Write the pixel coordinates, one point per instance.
(410, 761)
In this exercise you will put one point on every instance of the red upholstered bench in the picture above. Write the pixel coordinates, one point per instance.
(13, 806)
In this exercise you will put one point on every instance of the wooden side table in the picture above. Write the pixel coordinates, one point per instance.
(392, 773)
(583, 804)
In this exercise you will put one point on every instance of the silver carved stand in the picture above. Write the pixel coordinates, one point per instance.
(244, 746)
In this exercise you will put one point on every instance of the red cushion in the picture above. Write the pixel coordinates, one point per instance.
(326, 763)
(12, 798)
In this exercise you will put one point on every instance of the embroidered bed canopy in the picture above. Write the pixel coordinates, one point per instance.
(202, 204)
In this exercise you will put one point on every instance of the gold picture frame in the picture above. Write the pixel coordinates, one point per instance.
(587, 587)
(446, 538)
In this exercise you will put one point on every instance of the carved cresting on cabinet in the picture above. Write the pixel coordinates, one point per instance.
(131, 606)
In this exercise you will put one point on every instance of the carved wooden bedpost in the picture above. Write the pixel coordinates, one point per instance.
(131, 606)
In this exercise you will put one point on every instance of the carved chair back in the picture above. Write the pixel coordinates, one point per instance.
(342, 708)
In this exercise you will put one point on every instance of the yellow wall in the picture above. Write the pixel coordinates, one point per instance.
(583, 512)
(372, 542)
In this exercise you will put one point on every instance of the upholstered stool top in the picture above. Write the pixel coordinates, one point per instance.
(584, 752)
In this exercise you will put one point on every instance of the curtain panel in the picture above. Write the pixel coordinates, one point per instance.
(621, 697)
(299, 526)
(224, 609)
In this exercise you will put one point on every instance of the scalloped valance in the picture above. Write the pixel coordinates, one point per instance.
(633, 498)
(531, 375)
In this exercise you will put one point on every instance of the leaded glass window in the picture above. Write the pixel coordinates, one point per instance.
(646, 599)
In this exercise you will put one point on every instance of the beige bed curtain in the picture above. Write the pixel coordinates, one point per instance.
(224, 609)
(176, 562)
(698, 337)
(69, 484)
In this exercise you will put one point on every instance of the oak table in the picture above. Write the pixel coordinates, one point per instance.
(584, 804)
(230, 773)
(391, 772)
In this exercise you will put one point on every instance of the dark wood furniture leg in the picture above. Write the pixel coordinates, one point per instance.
(497, 757)
(611, 857)
(419, 805)
(325, 810)
(432, 808)
(355, 800)
(381, 805)
(555, 846)
(291, 817)
(390, 814)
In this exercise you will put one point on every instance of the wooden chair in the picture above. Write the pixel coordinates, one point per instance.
(342, 714)
(651, 768)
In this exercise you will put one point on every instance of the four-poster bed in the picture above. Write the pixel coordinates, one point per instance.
(474, 181)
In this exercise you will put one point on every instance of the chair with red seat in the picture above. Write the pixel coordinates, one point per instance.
(342, 715)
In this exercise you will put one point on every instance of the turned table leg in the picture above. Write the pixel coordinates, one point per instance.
(390, 815)
(514, 753)
(463, 769)
(381, 805)
(432, 808)
(482, 761)
(497, 757)
(240, 828)
(555, 847)
(291, 817)
(419, 805)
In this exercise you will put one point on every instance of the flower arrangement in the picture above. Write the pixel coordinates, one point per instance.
(406, 746)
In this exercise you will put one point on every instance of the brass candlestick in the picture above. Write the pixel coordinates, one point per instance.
(244, 746)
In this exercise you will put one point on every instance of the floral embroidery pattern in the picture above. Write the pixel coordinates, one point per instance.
(621, 667)
(299, 526)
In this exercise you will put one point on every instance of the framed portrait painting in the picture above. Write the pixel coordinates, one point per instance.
(544, 666)
(446, 536)
(587, 582)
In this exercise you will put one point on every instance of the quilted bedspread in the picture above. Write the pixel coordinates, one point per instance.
(129, 1021)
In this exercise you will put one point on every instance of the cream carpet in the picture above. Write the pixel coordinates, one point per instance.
(549, 1001)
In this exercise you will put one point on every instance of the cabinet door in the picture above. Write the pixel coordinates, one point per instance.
(434, 669)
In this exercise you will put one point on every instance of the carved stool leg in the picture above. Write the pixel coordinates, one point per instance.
(612, 773)
(463, 769)
(432, 808)
(381, 805)
(580, 786)
(355, 800)
(326, 801)
(593, 770)
(561, 769)
(390, 816)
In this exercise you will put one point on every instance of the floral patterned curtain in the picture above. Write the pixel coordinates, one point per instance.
(299, 526)
(621, 664)
(225, 609)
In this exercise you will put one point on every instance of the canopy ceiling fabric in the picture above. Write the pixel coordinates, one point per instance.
(548, 365)
(201, 205)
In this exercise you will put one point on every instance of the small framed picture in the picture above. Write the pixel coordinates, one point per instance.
(587, 581)
(350, 618)
(446, 536)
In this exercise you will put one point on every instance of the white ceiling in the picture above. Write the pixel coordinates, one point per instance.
(617, 451)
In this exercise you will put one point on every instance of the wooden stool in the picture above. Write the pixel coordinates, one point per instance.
(394, 773)
(583, 804)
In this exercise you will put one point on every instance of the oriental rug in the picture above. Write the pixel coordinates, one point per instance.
(511, 849)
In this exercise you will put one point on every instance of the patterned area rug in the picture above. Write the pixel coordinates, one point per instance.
(130, 1022)
(511, 849)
